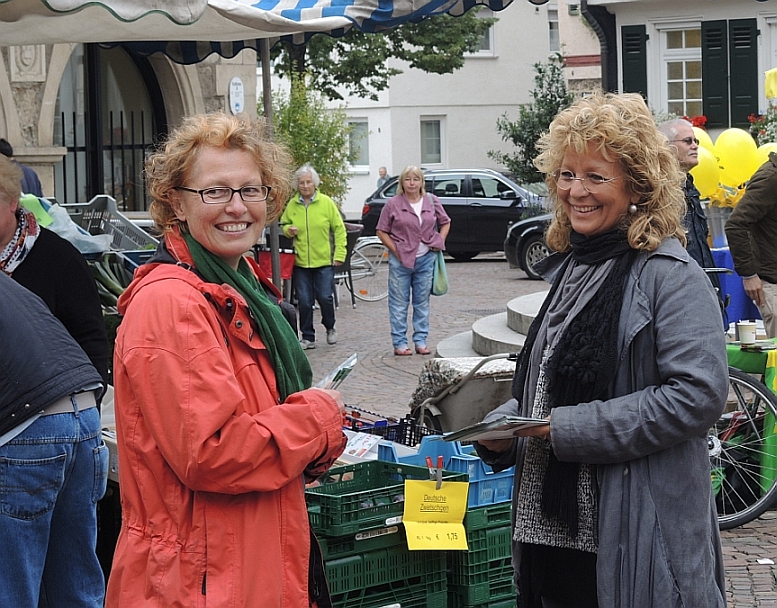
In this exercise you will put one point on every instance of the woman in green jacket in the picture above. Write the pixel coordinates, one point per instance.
(310, 218)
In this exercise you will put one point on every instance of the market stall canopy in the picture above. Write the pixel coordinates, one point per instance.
(24, 22)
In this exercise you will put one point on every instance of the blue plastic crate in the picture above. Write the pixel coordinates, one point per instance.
(485, 486)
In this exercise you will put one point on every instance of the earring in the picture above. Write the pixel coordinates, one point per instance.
(632, 208)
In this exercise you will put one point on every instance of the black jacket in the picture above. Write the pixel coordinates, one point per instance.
(57, 272)
(695, 224)
(40, 362)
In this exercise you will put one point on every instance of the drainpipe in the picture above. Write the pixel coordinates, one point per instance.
(603, 24)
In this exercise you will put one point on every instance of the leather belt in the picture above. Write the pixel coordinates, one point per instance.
(83, 401)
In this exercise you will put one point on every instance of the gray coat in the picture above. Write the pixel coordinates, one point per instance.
(658, 540)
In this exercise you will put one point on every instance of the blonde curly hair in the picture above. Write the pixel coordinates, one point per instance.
(170, 166)
(621, 128)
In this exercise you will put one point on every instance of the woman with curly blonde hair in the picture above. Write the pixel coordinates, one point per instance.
(218, 429)
(628, 381)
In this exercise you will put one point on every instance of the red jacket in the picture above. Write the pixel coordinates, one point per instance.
(211, 465)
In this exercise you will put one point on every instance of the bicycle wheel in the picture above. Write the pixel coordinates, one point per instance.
(743, 452)
(369, 270)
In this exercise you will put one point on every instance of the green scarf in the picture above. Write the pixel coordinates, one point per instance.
(292, 368)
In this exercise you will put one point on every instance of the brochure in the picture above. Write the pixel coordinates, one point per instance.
(501, 428)
(333, 379)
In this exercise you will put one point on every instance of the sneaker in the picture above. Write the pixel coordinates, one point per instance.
(307, 344)
(331, 336)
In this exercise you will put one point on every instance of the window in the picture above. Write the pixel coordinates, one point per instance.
(446, 186)
(359, 143)
(431, 142)
(555, 44)
(486, 47)
(682, 65)
(485, 186)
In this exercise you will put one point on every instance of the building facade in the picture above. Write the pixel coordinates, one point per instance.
(83, 116)
(694, 57)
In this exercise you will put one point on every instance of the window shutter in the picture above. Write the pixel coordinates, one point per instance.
(634, 59)
(743, 67)
(714, 70)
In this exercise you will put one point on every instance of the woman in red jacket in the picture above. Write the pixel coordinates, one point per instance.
(218, 428)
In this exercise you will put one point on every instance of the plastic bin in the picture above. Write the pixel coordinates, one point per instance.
(418, 592)
(485, 583)
(485, 486)
(491, 516)
(102, 216)
(374, 568)
(358, 497)
(361, 542)
(407, 431)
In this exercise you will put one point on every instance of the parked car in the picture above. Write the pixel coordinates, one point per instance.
(482, 204)
(525, 244)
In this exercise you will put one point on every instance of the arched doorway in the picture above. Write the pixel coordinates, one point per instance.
(109, 111)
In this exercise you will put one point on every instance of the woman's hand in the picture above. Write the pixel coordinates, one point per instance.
(336, 395)
(292, 230)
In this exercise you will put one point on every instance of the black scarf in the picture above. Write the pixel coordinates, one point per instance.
(584, 362)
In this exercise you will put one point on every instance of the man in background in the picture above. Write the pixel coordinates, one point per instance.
(683, 141)
(30, 181)
(751, 231)
(382, 176)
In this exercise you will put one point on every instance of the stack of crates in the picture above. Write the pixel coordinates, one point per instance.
(356, 512)
(482, 576)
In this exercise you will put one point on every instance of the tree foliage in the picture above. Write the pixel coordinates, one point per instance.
(358, 61)
(550, 97)
(314, 134)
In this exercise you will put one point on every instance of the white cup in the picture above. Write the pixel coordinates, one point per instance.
(746, 331)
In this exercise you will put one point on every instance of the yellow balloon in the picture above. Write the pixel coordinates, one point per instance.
(704, 139)
(706, 174)
(737, 156)
(763, 152)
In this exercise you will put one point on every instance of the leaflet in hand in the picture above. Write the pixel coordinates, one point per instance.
(333, 379)
(502, 428)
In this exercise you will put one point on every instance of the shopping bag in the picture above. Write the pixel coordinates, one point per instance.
(440, 280)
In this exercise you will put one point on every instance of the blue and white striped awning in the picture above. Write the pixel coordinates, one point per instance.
(208, 26)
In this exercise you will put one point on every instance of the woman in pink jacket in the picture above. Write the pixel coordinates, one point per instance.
(217, 427)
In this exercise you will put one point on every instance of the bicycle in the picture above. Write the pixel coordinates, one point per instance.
(369, 269)
(743, 448)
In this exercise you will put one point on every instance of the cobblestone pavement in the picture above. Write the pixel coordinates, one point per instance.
(383, 383)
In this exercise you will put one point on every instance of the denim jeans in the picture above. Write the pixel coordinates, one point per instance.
(51, 477)
(406, 285)
(318, 284)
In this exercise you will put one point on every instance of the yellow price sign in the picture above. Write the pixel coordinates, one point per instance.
(434, 518)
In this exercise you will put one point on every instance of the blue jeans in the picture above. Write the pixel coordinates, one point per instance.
(318, 283)
(51, 477)
(406, 285)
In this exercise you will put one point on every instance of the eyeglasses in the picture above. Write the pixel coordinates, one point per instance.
(591, 182)
(221, 195)
(688, 140)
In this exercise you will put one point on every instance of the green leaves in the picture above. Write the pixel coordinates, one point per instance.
(358, 62)
(314, 134)
(550, 97)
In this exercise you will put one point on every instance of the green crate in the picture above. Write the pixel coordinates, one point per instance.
(484, 546)
(482, 583)
(430, 591)
(369, 540)
(509, 601)
(490, 516)
(362, 496)
(374, 568)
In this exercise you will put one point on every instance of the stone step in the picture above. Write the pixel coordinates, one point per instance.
(521, 311)
(500, 333)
